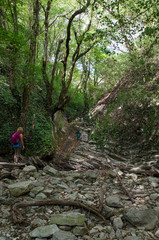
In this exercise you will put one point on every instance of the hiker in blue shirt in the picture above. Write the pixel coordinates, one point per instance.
(78, 135)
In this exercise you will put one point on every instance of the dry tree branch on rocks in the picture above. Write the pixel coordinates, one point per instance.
(18, 218)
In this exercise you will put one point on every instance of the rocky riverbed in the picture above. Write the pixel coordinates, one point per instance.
(100, 197)
(100, 189)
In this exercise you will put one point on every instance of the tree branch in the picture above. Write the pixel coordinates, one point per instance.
(2, 17)
(86, 51)
(18, 218)
(76, 87)
(132, 19)
(55, 61)
(76, 13)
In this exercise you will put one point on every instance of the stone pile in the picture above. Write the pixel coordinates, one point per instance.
(125, 219)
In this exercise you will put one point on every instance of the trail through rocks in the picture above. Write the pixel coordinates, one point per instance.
(92, 181)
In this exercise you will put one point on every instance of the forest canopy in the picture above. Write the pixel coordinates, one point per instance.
(59, 55)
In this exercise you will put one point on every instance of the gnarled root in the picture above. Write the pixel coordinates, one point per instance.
(18, 218)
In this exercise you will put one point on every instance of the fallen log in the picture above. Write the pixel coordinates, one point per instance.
(11, 165)
(18, 218)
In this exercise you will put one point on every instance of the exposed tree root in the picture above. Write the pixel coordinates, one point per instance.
(18, 218)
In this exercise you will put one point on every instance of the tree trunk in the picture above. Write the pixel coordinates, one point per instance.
(86, 69)
(30, 62)
(12, 54)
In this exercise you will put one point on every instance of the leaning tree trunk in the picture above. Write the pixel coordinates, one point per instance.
(30, 62)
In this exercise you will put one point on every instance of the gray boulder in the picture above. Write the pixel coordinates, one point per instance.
(30, 170)
(117, 223)
(44, 231)
(79, 231)
(51, 171)
(108, 211)
(20, 188)
(141, 218)
(63, 235)
(68, 219)
(114, 201)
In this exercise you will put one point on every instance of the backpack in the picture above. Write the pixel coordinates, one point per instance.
(15, 138)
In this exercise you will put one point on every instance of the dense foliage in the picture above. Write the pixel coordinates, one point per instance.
(62, 56)
(133, 118)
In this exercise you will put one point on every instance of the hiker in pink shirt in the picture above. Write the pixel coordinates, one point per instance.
(18, 143)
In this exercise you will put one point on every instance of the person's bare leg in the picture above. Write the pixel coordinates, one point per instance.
(16, 156)
(15, 159)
